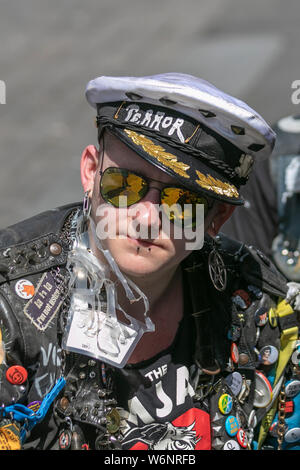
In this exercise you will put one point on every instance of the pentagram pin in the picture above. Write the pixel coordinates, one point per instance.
(217, 270)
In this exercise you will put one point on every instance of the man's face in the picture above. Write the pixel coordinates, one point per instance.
(137, 257)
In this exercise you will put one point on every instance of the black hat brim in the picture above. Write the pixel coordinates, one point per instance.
(191, 172)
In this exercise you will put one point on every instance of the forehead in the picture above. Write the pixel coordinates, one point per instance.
(117, 154)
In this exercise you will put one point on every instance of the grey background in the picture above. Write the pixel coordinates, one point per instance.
(49, 50)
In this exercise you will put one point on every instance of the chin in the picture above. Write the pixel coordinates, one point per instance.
(135, 265)
(138, 262)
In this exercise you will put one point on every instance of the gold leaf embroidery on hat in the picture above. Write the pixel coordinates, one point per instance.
(189, 138)
(219, 187)
(116, 116)
(158, 152)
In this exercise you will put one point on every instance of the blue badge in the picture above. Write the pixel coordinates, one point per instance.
(231, 425)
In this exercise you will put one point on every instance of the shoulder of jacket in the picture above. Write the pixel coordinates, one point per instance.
(50, 221)
(252, 266)
(35, 244)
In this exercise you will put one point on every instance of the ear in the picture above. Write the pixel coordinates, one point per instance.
(222, 213)
(88, 167)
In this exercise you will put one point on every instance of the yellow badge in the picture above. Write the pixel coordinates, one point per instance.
(10, 437)
(158, 152)
(217, 186)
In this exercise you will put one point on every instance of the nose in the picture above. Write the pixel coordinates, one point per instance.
(145, 215)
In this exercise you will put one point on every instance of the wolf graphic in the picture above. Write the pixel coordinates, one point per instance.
(164, 436)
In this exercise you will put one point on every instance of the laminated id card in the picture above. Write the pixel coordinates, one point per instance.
(103, 338)
(93, 327)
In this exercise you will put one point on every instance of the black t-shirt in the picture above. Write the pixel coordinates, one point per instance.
(157, 399)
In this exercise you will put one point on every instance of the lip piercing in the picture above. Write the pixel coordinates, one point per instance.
(138, 249)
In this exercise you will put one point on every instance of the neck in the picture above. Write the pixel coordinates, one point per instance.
(160, 290)
(156, 285)
(166, 311)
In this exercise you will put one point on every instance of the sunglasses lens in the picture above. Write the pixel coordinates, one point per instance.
(181, 205)
(121, 188)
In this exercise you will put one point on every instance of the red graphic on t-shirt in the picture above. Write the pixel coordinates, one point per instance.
(190, 431)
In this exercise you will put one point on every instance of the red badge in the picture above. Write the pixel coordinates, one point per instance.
(234, 353)
(64, 440)
(16, 375)
(242, 438)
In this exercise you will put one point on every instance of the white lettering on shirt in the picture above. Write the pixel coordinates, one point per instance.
(157, 373)
(166, 401)
(136, 409)
(184, 388)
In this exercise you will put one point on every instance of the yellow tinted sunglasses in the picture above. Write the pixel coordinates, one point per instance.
(123, 188)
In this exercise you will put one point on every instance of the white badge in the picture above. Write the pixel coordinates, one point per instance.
(292, 388)
(263, 391)
(292, 435)
(231, 445)
(24, 289)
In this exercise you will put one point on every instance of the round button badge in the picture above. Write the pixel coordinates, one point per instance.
(242, 438)
(263, 390)
(292, 388)
(64, 440)
(16, 375)
(231, 425)
(24, 289)
(296, 357)
(231, 445)
(252, 420)
(261, 316)
(234, 353)
(272, 318)
(292, 435)
(234, 382)
(268, 355)
(225, 403)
